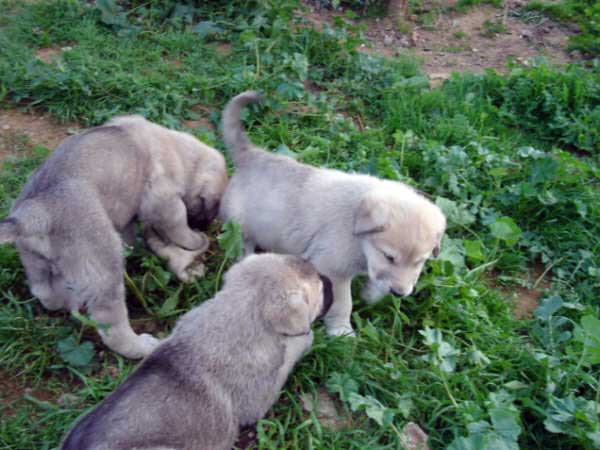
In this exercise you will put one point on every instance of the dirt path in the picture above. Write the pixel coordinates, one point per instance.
(20, 130)
(483, 37)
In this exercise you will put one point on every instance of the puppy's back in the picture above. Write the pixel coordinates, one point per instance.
(156, 407)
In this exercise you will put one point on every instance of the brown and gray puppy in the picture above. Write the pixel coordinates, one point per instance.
(345, 224)
(70, 218)
(222, 367)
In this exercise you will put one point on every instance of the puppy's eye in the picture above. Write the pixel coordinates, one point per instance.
(390, 258)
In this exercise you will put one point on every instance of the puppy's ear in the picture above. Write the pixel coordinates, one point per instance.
(372, 214)
(288, 313)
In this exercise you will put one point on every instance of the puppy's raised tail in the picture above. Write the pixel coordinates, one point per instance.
(234, 134)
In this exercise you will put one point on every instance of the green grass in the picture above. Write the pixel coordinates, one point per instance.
(512, 159)
(584, 13)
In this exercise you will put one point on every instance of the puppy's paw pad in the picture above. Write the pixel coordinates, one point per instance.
(346, 331)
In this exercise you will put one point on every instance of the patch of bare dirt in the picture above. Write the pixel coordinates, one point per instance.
(12, 392)
(201, 118)
(47, 54)
(457, 41)
(247, 438)
(224, 48)
(40, 129)
(526, 298)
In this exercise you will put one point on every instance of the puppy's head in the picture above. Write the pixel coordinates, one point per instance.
(289, 292)
(400, 230)
(204, 192)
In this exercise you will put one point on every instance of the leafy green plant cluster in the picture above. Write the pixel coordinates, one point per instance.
(548, 106)
(586, 14)
(511, 160)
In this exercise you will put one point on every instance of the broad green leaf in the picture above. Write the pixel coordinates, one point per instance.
(170, 304)
(455, 213)
(588, 333)
(473, 250)
(505, 229)
(505, 421)
(478, 358)
(231, 240)
(109, 10)
(548, 307)
(342, 384)
(207, 28)
(443, 355)
(372, 407)
(77, 355)
(453, 253)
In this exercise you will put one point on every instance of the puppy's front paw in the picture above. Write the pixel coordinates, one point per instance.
(144, 345)
(344, 330)
(197, 241)
(192, 272)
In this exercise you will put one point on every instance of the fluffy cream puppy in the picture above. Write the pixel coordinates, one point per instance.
(345, 224)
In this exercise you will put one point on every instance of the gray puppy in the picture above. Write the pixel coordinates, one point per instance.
(345, 224)
(69, 219)
(222, 367)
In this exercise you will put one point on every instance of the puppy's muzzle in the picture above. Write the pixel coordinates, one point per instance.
(327, 295)
(202, 217)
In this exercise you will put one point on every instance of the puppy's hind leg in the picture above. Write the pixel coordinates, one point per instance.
(166, 212)
(114, 328)
(337, 319)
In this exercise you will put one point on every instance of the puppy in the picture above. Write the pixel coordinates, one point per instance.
(345, 224)
(70, 218)
(222, 367)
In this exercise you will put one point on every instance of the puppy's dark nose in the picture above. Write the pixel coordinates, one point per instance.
(396, 292)
(327, 295)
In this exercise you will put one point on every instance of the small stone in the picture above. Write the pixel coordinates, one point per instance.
(323, 407)
(413, 437)
(526, 34)
(474, 50)
(6, 127)
(387, 40)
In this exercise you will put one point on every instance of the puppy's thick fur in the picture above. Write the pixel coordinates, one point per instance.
(221, 368)
(345, 224)
(70, 218)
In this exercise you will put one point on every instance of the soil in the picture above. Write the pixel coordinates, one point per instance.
(47, 54)
(40, 129)
(12, 392)
(525, 299)
(456, 41)
(202, 120)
